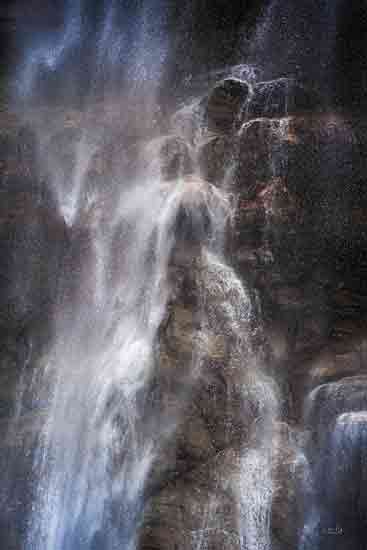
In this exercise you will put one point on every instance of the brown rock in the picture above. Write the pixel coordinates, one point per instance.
(200, 507)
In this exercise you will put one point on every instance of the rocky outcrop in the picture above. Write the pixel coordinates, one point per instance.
(201, 506)
(282, 97)
(297, 178)
(288, 179)
(224, 106)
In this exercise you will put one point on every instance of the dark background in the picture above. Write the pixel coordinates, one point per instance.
(212, 33)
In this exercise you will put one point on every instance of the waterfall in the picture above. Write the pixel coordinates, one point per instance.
(95, 376)
(103, 428)
(171, 401)
(336, 501)
(102, 433)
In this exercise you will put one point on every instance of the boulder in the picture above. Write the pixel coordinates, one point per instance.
(202, 506)
(328, 401)
(201, 213)
(339, 480)
(225, 106)
(216, 158)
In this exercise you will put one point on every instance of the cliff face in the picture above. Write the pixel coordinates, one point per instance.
(298, 236)
(293, 178)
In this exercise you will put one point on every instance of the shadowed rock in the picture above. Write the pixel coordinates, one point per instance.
(18, 152)
(281, 97)
(226, 104)
(217, 158)
(201, 214)
(32, 241)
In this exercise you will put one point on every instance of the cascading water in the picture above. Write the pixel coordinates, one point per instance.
(102, 432)
(98, 376)
(336, 506)
(162, 419)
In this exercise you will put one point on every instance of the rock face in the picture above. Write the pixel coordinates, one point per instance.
(289, 180)
(282, 97)
(33, 242)
(225, 103)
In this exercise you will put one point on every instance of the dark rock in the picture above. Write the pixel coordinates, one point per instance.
(202, 212)
(281, 97)
(226, 104)
(286, 166)
(330, 400)
(32, 242)
(216, 158)
(33, 245)
(19, 153)
(338, 469)
(262, 154)
(289, 472)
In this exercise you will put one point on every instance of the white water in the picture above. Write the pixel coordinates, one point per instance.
(99, 363)
(99, 439)
(101, 434)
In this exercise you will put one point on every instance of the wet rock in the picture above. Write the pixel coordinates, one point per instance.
(262, 154)
(33, 245)
(289, 473)
(216, 158)
(188, 121)
(286, 166)
(32, 242)
(202, 506)
(205, 357)
(310, 154)
(180, 328)
(19, 152)
(229, 410)
(194, 355)
(340, 478)
(185, 440)
(226, 105)
(281, 97)
(332, 399)
(322, 170)
(169, 158)
(202, 212)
